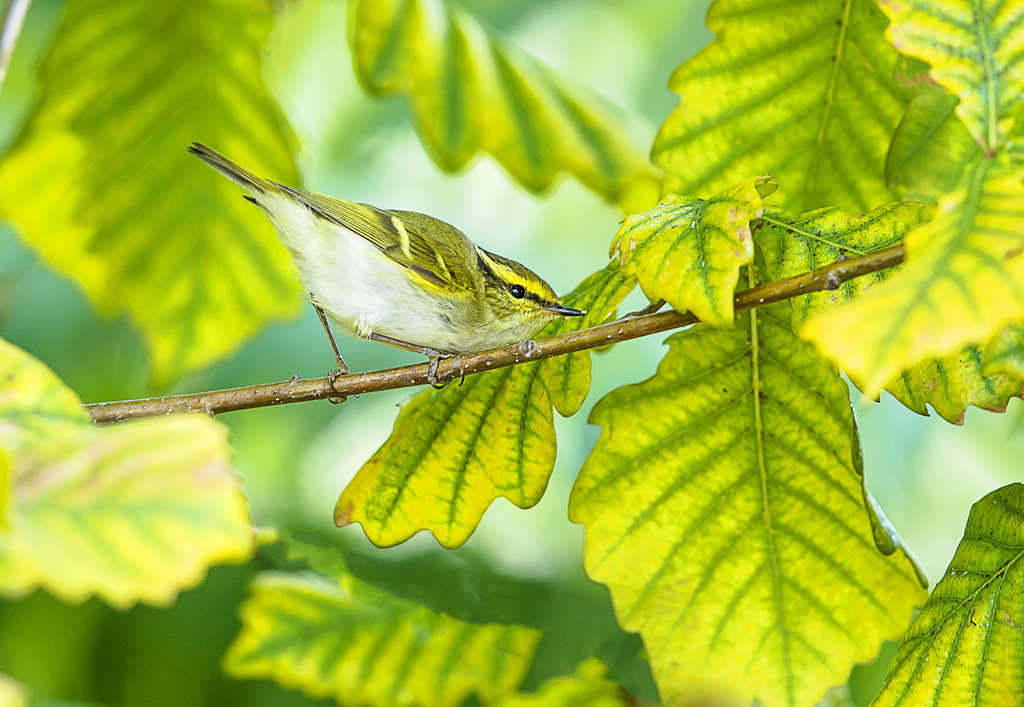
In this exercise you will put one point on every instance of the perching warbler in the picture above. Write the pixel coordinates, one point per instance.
(399, 277)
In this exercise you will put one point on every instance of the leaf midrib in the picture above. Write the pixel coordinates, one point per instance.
(830, 95)
(766, 513)
(988, 71)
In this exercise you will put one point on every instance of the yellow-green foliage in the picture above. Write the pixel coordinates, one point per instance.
(344, 639)
(130, 513)
(723, 507)
(454, 451)
(469, 90)
(723, 503)
(964, 647)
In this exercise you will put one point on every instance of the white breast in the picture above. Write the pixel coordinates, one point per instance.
(358, 286)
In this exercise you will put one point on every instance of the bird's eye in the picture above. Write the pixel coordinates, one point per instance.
(517, 291)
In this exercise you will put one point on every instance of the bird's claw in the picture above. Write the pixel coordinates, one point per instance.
(332, 376)
(432, 374)
(649, 309)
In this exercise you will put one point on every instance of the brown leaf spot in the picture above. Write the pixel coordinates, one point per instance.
(343, 516)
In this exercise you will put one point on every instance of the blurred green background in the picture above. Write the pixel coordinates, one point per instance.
(520, 566)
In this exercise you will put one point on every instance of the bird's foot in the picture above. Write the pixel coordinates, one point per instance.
(432, 372)
(434, 355)
(332, 377)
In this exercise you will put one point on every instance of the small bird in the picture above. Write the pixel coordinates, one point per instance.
(399, 277)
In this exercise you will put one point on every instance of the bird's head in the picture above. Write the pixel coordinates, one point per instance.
(519, 298)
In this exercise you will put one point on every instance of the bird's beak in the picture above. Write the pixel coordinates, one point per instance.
(562, 310)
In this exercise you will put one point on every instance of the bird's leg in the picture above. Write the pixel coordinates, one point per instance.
(433, 354)
(342, 366)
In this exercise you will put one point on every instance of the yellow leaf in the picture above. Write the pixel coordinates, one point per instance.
(950, 383)
(129, 513)
(6, 484)
(1015, 141)
(724, 507)
(964, 647)
(362, 646)
(470, 90)
(793, 245)
(451, 453)
(12, 693)
(976, 51)
(587, 688)
(802, 91)
(963, 281)
(99, 181)
(688, 252)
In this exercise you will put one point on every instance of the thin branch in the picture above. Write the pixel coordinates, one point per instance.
(829, 277)
(11, 21)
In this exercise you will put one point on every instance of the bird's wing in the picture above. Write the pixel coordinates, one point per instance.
(402, 236)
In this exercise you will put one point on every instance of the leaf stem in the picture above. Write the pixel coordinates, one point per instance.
(828, 277)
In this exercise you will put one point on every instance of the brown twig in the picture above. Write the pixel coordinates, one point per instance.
(829, 277)
(12, 18)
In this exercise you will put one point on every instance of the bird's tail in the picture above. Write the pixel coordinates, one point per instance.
(229, 169)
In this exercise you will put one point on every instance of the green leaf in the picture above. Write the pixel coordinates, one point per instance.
(931, 146)
(362, 646)
(588, 688)
(1005, 354)
(129, 513)
(567, 378)
(688, 251)
(793, 245)
(976, 51)
(99, 180)
(802, 91)
(470, 90)
(451, 453)
(951, 383)
(322, 557)
(961, 284)
(724, 507)
(964, 647)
